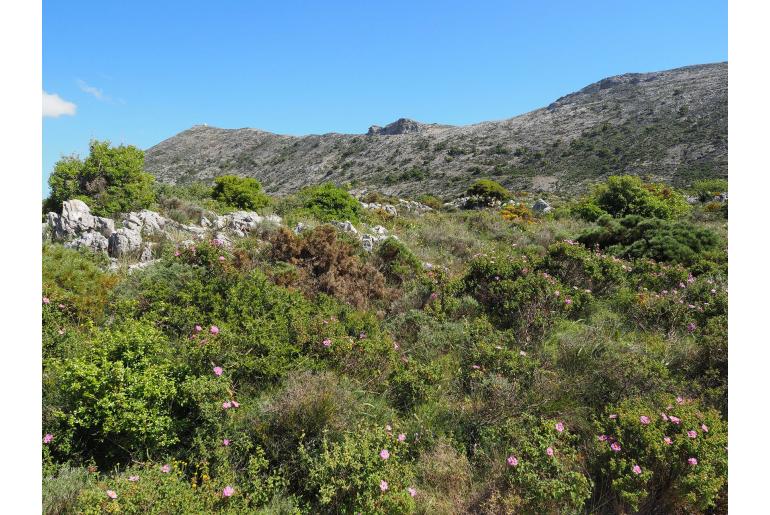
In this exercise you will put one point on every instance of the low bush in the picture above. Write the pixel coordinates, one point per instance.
(666, 454)
(626, 195)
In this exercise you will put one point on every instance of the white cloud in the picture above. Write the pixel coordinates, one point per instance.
(55, 106)
(91, 90)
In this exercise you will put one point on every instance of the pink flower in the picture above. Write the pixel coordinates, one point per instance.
(549, 451)
(615, 446)
(401, 437)
(674, 420)
(133, 479)
(227, 405)
(46, 300)
(217, 371)
(214, 329)
(680, 400)
(61, 306)
(111, 494)
(176, 253)
(166, 468)
(384, 454)
(475, 367)
(433, 296)
(603, 438)
(388, 427)
(236, 404)
(512, 460)
(637, 469)
(228, 491)
(614, 416)
(568, 301)
(226, 442)
(412, 491)
(221, 258)
(559, 427)
(47, 438)
(362, 335)
(664, 417)
(644, 419)
(667, 440)
(383, 485)
(705, 428)
(327, 343)
(692, 434)
(692, 461)
(691, 326)
(198, 329)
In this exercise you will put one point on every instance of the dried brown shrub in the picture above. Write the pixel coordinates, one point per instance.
(325, 263)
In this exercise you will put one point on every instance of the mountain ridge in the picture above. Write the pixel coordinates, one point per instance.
(669, 125)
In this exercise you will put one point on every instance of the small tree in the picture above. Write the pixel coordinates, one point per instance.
(240, 192)
(628, 195)
(110, 180)
(489, 189)
(328, 202)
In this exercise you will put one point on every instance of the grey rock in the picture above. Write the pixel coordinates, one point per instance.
(146, 254)
(367, 242)
(541, 206)
(379, 230)
(345, 226)
(90, 240)
(148, 223)
(205, 222)
(124, 243)
(221, 238)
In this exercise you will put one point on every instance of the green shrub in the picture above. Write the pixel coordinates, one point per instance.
(636, 237)
(535, 480)
(628, 195)
(62, 488)
(431, 201)
(574, 265)
(328, 202)
(490, 189)
(76, 280)
(350, 476)
(396, 262)
(111, 180)
(665, 479)
(239, 192)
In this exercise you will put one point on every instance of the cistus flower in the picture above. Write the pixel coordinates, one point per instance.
(166, 468)
(512, 461)
(217, 371)
(549, 451)
(412, 491)
(47, 438)
(214, 329)
(327, 343)
(615, 446)
(644, 419)
(667, 440)
(383, 485)
(226, 442)
(133, 479)
(559, 427)
(111, 494)
(692, 461)
(637, 469)
(228, 491)
(401, 437)
(384, 454)
(692, 434)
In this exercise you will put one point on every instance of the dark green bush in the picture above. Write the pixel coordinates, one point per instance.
(396, 262)
(239, 192)
(636, 237)
(111, 180)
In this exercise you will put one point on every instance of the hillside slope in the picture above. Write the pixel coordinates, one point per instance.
(669, 125)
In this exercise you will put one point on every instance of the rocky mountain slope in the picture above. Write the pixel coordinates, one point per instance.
(669, 125)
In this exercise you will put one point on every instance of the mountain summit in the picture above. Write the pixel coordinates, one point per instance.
(669, 125)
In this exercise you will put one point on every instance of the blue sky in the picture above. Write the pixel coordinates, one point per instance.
(139, 72)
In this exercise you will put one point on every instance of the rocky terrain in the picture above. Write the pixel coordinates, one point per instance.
(669, 125)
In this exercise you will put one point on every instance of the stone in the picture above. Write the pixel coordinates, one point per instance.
(91, 240)
(148, 223)
(367, 242)
(345, 226)
(124, 243)
(205, 222)
(541, 206)
(379, 230)
(146, 254)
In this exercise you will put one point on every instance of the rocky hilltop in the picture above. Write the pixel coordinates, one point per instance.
(669, 125)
